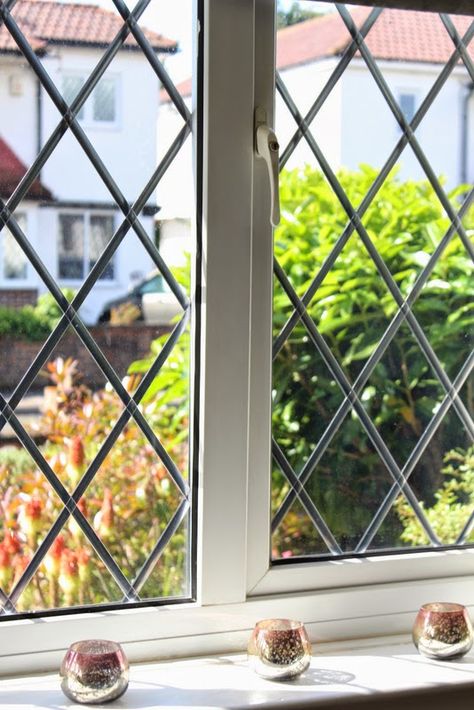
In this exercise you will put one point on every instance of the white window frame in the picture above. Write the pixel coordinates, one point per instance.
(88, 120)
(236, 585)
(86, 215)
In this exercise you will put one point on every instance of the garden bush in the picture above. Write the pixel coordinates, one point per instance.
(32, 323)
(129, 503)
(131, 500)
(452, 507)
(351, 309)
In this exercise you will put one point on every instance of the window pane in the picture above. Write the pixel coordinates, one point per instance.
(104, 101)
(14, 259)
(101, 230)
(407, 105)
(111, 437)
(71, 246)
(71, 87)
(373, 288)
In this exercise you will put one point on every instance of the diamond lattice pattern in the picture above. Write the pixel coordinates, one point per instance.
(372, 374)
(95, 499)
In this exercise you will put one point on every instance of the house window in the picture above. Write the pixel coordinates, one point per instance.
(103, 98)
(82, 238)
(15, 263)
(408, 105)
(101, 108)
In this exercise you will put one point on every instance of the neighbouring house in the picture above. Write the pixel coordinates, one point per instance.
(355, 124)
(69, 214)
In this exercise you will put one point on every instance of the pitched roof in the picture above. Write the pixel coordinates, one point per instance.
(46, 22)
(397, 35)
(184, 88)
(12, 171)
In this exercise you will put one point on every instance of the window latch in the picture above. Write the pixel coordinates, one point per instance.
(266, 147)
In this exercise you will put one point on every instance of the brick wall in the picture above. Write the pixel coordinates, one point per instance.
(16, 298)
(121, 345)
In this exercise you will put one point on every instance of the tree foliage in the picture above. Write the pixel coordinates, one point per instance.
(294, 15)
(352, 309)
(452, 507)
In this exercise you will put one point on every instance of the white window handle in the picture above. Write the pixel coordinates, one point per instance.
(267, 148)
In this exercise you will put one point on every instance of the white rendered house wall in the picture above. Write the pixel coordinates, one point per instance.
(371, 131)
(127, 146)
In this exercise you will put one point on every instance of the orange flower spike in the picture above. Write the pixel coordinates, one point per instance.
(11, 543)
(5, 566)
(104, 520)
(73, 525)
(76, 460)
(83, 558)
(69, 576)
(52, 561)
(30, 520)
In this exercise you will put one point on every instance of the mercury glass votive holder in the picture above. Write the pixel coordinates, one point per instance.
(279, 649)
(442, 630)
(94, 671)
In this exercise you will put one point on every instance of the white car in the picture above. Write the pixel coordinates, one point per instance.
(160, 308)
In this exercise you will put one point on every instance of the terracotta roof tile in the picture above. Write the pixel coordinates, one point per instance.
(12, 171)
(8, 44)
(320, 37)
(399, 35)
(45, 22)
(184, 89)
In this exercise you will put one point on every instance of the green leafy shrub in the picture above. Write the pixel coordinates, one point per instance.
(22, 323)
(32, 322)
(352, 309)
(453, 506)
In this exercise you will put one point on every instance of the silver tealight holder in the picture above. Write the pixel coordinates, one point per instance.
(94, 671)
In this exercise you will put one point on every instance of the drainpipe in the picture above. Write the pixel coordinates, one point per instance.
(39, 119)
(465, 133)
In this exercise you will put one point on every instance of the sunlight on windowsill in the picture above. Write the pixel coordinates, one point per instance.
(372, 675)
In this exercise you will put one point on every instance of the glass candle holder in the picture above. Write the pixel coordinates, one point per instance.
(442, 630)
(94, 671)
(279, 649)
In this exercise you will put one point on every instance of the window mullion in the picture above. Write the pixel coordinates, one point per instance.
(227, 205)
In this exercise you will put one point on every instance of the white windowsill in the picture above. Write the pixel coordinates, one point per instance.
(378, 673)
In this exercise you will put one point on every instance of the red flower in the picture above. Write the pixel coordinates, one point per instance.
(30, 520)
(76, 460)
(5, 566)
(33, 509)
(11, 543)
(76, 452)
(69, 576)
(52, 560)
